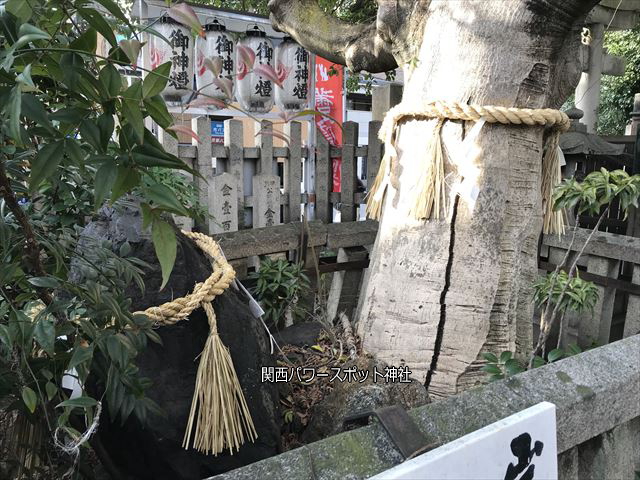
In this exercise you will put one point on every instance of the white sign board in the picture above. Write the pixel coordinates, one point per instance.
(519, 447)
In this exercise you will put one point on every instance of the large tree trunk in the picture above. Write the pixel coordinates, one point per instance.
(439, 293)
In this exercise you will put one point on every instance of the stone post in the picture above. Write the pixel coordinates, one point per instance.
(588, 90)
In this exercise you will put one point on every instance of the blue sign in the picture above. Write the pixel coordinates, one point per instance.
(217, 128)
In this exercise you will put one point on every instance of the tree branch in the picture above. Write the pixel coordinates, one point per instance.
(357, 46)
(31, 246)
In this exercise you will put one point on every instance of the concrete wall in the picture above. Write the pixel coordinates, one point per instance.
(597, 395)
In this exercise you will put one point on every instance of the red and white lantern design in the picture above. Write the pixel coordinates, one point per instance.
(179, 51)
(255, 92)
(219, 49)
(292, 64)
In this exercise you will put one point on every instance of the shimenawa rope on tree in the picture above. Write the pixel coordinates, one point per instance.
(431, 197)
(219, 410)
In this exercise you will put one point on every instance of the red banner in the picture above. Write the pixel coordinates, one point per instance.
(329, 101)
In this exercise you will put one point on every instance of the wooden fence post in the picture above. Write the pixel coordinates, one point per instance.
(293, 171)
(233, 142)
(349, 173)
(324, 180)
(202, 164)
(597, 328)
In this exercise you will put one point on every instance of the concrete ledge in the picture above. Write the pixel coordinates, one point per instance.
(593, 392)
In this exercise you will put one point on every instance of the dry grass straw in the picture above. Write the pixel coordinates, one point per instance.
(218, 409)
(553, 221)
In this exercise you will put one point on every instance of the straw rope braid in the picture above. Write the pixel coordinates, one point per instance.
(218, 409)
(431, 198)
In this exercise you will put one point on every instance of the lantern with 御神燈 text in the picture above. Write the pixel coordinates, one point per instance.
(292, 65)
(179, 51)
(215, 63)
(254, 90)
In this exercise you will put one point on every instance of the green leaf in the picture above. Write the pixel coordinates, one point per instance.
(29, 33)
(117, 351)
(106, 124)
(505, 356)
(80, 355)
(105, 178)
(164, 242)
(538, 361)
(133, 114)
(555, 354)
(90, 133)
(45, 163)
(164, 197)
(29, 398)
(44, 282)
(111, 80)
(33, 109)
(73, 151)
(157, 109)
(490, 357)
(45, 334)
(51, 390)
(13, 109)
(126, 179)
(97, 21)
(5, 337)
(113, 9)
(493, 369)
(156, 80)
(79, 402)
(512, 366)
(20, 9)
(86, 42)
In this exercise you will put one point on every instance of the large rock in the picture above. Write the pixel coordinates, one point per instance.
(154, 451)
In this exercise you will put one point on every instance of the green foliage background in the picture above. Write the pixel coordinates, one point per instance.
(616, 102)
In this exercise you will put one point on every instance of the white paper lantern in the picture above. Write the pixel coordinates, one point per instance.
(217, 44)
(179, 51)
(255, 92)
(292, 62)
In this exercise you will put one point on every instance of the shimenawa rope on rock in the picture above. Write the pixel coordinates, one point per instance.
(431, 197)
(218, 409)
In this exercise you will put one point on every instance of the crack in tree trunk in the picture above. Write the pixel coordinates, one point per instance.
(443, 295)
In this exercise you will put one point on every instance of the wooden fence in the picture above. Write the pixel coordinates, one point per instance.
(259, 186)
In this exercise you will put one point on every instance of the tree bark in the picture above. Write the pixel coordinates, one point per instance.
(439, 293)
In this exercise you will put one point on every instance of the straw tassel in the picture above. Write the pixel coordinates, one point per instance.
(553, 221)
(431, 198)
(378, 190)
(218, 408)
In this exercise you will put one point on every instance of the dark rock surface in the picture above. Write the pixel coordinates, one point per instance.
(349, 398)
(300, 334)
(155, 452)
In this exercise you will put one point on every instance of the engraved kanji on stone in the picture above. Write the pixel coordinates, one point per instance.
(226, 190)
(226, 225)
(226, 207)
(269, 214)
